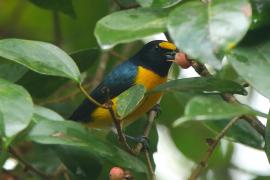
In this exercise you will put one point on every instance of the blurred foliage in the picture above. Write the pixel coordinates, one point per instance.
(48, 48)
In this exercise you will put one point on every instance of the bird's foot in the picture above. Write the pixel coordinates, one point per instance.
(140, 139)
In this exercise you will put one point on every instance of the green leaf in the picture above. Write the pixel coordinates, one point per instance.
(41, 57)
(74, 135)
(11, 71)
(267, 138)
(158, 3)
(17, 107)
(129, 25)
(47, 113)
(64, 6)
(129, 100)
(203, 108)
(241, 132)
(253, 65)
(203, 30)
(260, 13)
(207, 85)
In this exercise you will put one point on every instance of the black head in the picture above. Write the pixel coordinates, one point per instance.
(155, 55)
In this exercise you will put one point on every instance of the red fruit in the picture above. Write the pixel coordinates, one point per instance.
(117, 173)
(182, 60)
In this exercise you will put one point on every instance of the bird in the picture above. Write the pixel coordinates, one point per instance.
(148, 67)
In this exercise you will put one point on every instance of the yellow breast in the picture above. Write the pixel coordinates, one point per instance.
(102, 118)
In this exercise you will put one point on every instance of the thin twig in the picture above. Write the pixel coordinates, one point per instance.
(26, 164)
(212, 145)
(103, 61)
(90, 98)
(117, 125)
(149, 164)
(57, 33)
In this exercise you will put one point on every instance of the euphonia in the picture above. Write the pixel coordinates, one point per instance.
(149, 67)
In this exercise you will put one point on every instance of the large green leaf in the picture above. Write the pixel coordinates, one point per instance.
(129, 100)
(252, 63)
(241, 132)
(129, 25)
(203, 30)
(11, 71)
(47, 113)
(41, 57)
(74, 135)
(208, 85)
(203, 108)
(64, 6)
(158, 3)
(16, 106)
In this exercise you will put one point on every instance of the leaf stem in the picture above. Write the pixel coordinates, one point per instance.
(90, 98)
(212, 145)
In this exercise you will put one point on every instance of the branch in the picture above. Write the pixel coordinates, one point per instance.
(26, 164)
(212, 145)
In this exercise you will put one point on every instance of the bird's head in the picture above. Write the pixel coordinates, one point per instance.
(156, 55)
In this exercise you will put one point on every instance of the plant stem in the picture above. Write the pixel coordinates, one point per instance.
(214, 142)
(149, 164)
(117, 125)
(26, 164)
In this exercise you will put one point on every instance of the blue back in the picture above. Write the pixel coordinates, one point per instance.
(117, 81)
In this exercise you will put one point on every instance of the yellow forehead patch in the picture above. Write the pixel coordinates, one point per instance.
(167, 45)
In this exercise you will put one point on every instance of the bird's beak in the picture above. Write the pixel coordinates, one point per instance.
(170, 56)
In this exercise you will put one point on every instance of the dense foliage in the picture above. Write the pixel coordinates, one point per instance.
(50, 48)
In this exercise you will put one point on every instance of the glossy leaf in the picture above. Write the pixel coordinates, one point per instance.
(158, 3)
(11, 71)
(41, 57)
(129, 100)
(241, 132)
(203, 108)
(64, 6)
(203, 30)
(17, 107)
(47, 113)
(202, 85)
(253, 65)
(74, 135)
(129, 25)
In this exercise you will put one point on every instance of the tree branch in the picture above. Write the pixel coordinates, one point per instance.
(212, 145)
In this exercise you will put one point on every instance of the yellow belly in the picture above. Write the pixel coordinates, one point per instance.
(101, 118)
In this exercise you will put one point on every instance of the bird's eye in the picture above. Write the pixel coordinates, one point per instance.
(157, 47)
